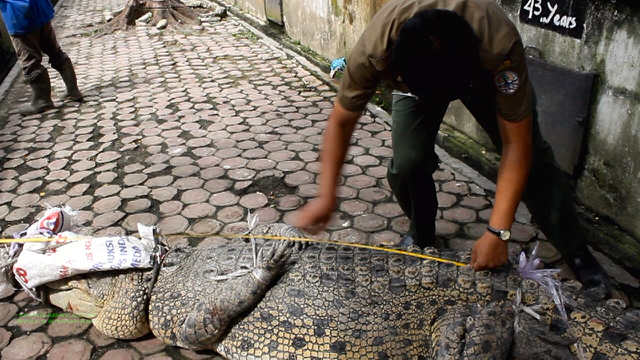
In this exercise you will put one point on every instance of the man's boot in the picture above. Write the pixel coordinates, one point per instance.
(588, 271)
(68, 74)
(41, 99)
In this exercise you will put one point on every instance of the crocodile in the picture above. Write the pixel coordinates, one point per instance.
(275, 299)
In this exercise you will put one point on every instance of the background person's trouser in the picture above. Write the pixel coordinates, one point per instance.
(547, 195)
(30, 47)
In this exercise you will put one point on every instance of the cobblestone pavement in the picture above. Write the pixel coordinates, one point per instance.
(190, 129)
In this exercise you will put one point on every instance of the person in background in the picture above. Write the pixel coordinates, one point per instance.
(29, 25)
(433, 52)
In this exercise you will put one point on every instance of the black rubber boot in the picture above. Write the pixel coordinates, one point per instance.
(68, 74)
(589, 271)
(41, 99)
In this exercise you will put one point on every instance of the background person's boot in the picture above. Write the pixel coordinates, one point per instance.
(68, 74)
(41, 99)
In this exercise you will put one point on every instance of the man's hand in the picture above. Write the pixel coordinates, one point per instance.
(314, 216)
(488, 252)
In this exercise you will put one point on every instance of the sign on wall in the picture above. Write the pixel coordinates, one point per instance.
(562, 16)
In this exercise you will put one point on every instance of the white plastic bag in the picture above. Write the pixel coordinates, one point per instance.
(69, 254)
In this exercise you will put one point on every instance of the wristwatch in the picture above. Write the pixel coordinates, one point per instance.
(504, 234)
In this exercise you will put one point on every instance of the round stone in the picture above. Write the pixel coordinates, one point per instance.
(217, 185)
(6, 197)
(299, 178)
(370, 223)
(26, 200)
(108, 219)
(98, 338)
(475, 202)
(522, 233)
(459, 215)
(106, 177)
(78, 190)
(355, 207)
(19, 214)
(241, 174)
(5, 337)
(196, 211)
(288, 202)
(121, 354)
(133, 192)
(173, 225)
(107, 204)
(262, 164)
(78, 176)
(134, 179)
(205, 227)
(159, 181)
(164, 193)
(445, 228)
(446, 200)
(195, 196)
(58, 164)
(225, 198)
(473, 230)
(8, 185)
(231, 214)
(7, 312)
(546, 252)
(378, 172)
(456, 187)
(131, 222)
(188, 183)
(31, 320)
(361, 181)
(267, 215)
(80, 202)
(150, 346)
(349, 236)
(55, 200)
(107, 190)
(208, 161)
(66, 324)
(184, 171)
(385, 238)
(108, 156)
(137, 205)
(375, 195)
(400, 225)
(308, 190)
(83, 165)
(171, 208)
(27, 347)
(254, 201)
(212, 173)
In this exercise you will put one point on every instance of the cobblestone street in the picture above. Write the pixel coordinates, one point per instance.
(189, 129)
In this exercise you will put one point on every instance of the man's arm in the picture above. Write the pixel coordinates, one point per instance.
(315, 215)
(517, 152)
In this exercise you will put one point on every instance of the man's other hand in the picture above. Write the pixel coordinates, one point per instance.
(314, 216)
(488, 252)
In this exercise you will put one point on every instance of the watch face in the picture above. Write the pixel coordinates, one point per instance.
(505, 235)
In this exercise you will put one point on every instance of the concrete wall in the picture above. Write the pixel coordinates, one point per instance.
(609, 184)
(255, 8)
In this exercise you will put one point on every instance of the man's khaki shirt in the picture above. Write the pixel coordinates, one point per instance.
(501, 53)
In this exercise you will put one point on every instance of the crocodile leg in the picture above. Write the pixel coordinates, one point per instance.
(489, 332)
(209, 318)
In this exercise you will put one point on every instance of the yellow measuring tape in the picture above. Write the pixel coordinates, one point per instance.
(272, 237)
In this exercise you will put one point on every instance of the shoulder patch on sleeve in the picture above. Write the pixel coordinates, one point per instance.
(507, 82)
(504, 65)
